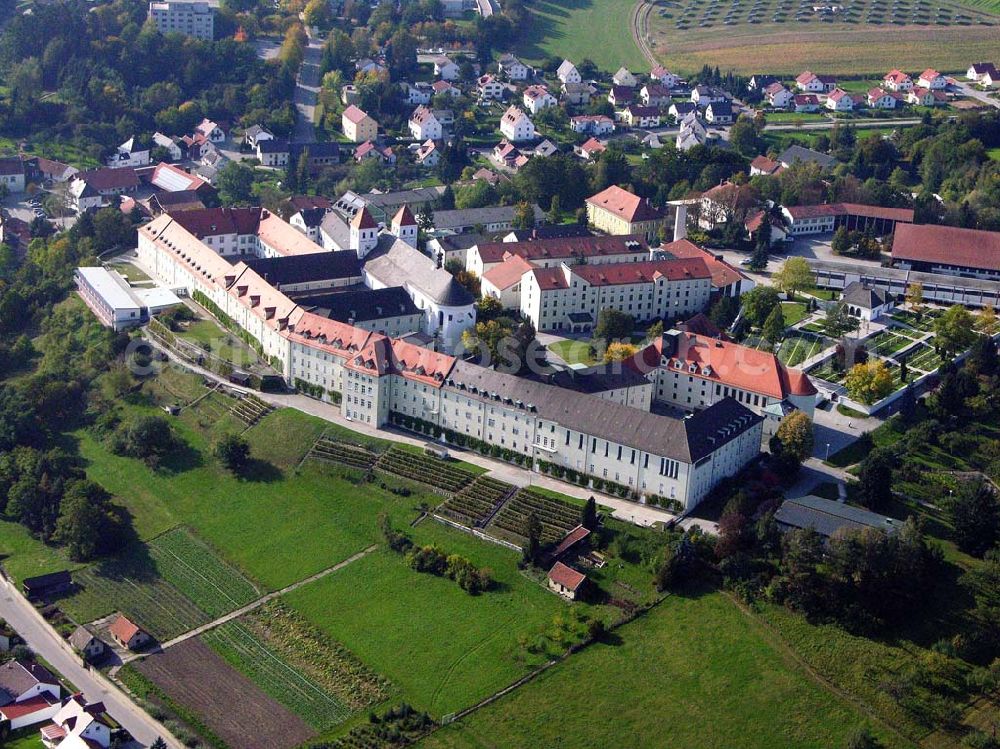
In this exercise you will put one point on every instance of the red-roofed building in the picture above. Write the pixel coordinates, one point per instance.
(570, 540)
(947, 249)
(128, 634)
(897, 80)
(566, 581)
(828, 217)
(550, 251)
(765, 166)
(617, 211)
(503, 281)
(591, 148)
(933, 80)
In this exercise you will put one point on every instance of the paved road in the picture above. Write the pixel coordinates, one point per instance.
(967, 89)
(44, 640)
(306, 94)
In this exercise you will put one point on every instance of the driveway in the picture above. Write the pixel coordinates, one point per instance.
(44, 640)
(306, 94)
(967, 89)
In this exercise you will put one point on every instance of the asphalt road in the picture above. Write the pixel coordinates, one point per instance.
(44, 640)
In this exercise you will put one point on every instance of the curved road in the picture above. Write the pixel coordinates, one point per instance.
(44, 640)
(639, 21)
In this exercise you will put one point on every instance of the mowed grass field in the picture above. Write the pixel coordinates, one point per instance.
(575, 29)
(694, 672)
(835, 49)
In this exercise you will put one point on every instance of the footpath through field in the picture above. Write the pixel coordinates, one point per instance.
(256, 604)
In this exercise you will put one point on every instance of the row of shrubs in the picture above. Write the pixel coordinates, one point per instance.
(317, 391)
(607, 486)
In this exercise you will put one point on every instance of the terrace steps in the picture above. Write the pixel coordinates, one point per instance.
(250, 409)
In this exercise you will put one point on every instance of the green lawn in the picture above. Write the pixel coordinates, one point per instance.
(24, 738)
(208, 336)
(994, 153)
(695, 672)
(793, 312)
(25, 556)
(443, 648)
(598, 29)
(573, 352)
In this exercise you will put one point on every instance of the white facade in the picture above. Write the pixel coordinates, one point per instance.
(190, 17)
(516, 126)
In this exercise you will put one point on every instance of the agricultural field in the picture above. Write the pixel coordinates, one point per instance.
(556, 517)
(728, 685)
(785, 37)
(231, 706)
(474, 503)
(426, 469)
(598, 29)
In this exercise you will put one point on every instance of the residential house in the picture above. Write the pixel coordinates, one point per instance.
(273, 152)
(490, 88)
(815, 84)
(29, 694)
(446, 69)
(591, 149)
(655, 95)
(692, 131)
(55, 171)
(358, 126)
(796, 153)
(516, 126)
(897, 80)
(880, 99)
(319, 155)
(416, 93)
(349, 94)
(545, 148)
(369, 67)
(595, 124)
(254, 134)
(108, 182)
(806, 103)
(865, 302)
(681, 109)
(840, 101)
(12, 175)
(567, 73)
(624, 78)
(760, 82)
(637, 116)
(725, 202)
(702, 96)
(921, 97)
(514, 69)
(566, 581)
(369, 150)
(764, 165)
(933, 80)
(537, 97)
(445, 87)
(133, 152)
(90, 647)
(428, 154)
(307, 214)
(79, 724)
(778, 96)
(424, 125)
(989, 80)
(620, 96)
(577, 93)
(720, 113)
(83, 197)
(128, 634)
(756, 219)
(506, 154)
(979, 70)
(617, 211)
(210, 131)
(664, 76)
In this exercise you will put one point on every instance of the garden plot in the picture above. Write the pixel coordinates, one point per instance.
(214, 586)
(557, 518)
(797, 347)
(826, 371)
(302, 695)
(887, 343)
(923, 323)
(476, 501)
(353, 456)
(425, 469)
(923, 358)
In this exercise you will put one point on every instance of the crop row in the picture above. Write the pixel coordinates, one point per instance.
(556, 518)
(351, 455)
(289, 686)
(214, 586)
(476, 500)
(425, 469)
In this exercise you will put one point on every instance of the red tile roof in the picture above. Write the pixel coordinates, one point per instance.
(947, 245)
(930, 74)
(572, 538)
(565, 576)
(404, 217)
(508, 273)
(31, 705)
(123, 630)
(615, 274)
(354, 114)
(214, 221)
(593, 145)
(766, 165)
(550, 278)
(563, 247)
(625, 205)
(110, 179)
(896, 76)
(363, 220)
(904, 215)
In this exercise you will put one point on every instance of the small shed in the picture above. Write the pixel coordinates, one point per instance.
(87, 644)
(240, 378)
(436, 449)
(572, 539)
(566, 581)
(128, 634)
(44, 586)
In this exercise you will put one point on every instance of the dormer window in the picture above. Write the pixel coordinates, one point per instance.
(693, 368)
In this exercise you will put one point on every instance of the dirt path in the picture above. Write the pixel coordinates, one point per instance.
(639, 21)
(258, 603)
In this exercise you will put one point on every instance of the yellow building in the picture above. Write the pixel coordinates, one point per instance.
(617, 211)
(358, 126)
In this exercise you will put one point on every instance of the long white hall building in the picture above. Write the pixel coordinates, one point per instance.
(377, 380)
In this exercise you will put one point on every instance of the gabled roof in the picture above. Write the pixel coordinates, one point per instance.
(929, 75)
(800, 153)
(947, 245)
(563, 247)
(354, 114)
(565, 576)
(123, 628)
(565, 68)
(81, 638)
(625, 205)
(648, 271)
(362, 305)
(174, 179)
(765, 165)
(861, 295)
(508, 273)
(571, 539)
(896, 76)
(17, 677)
(110, 179)
(827, 516)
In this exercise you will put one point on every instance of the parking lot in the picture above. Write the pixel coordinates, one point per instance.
(28, 207)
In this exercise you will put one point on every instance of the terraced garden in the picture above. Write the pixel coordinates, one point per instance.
(924, 358)
(473, 504)
(797, 347)
(556, 517)
(425, 469)
(924, 322)
(335, 451)
(887, 343)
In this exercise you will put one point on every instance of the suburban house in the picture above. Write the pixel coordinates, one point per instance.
(567, 73)
(506, 154)
(617, 211)
(254, 134)
(840, 101)
(128, 634)
(979, 70)
(545, 148)
(815, 84)
(932, 79)
(924, 97)
(101, 183)
(828, 217)
(691, 133)
(369, 150)
(566, 581)
(623, 77)
(827, 516)
(950, 250)
(55, 170)
(446, 69)
(79, 724)
(445, 87)
(87, 644)
(764, 165)
(619, 96)
(719, 113)
(133, 152)
(489, 87)
(358, 127)
(12, 174)
(664, 76)
(273, 152)
(796, 154)
(210, 131)
(778, 96)
(415, 93)
(537, 97)
(654, 95)
(897, 80)
(516, 126)
(702, 96)
(680, 109)
(424, 125)
(806, 103)
(865, 302)
(578, 93)
(29, 693)
(880, 99)
(428, 154)
(590, 149)
(755, 220)
(514, 69)
(761, 81)
(595, 124)
(639, 116)
(368, 66)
